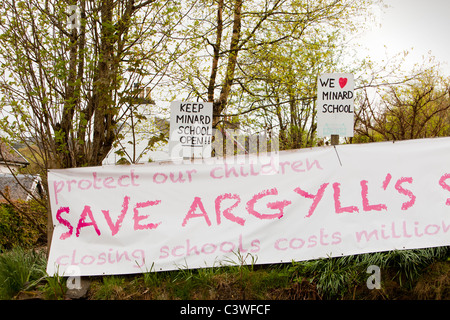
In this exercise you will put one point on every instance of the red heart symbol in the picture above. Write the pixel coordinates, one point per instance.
(342, 82)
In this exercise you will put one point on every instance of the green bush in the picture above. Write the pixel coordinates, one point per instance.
(16, 229)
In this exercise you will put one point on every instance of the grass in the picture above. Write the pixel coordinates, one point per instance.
(412, 274)
(340, 277)
(20, 270)
(110, 288)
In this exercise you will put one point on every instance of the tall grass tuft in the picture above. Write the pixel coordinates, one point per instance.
(20, 270)
(337, 277)
(410, 263)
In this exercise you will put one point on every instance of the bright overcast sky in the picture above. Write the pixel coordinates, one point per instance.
(419, 26)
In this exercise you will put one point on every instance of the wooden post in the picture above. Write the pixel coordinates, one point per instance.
(334, 139)
(49, 227)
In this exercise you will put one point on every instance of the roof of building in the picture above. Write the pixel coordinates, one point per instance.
(20, 186)
(10, 155)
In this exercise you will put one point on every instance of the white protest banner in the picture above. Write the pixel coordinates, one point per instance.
(294, 205)
(335, 104)
(190, 129)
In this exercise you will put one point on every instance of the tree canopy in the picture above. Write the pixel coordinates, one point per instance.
(68, 68)
(73, 72)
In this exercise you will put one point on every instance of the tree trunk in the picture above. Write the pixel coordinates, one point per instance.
(103, 115)
(216, 56)
(219, 106)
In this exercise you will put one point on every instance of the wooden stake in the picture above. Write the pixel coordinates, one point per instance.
(49, 227)
(334, 139)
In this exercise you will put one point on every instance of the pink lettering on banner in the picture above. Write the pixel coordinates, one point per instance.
(386, 181)
(444, 185)
(174, 179)
(337, 201)
(213, 174)
(135, 258)
(161, 178)
(64, 222)
(322, 239)
(227, 212)
(108, 183)
(82, 222)
(115, 227)
(401, 230)
(70, 182)
(316, 198)
(57, 187)
(189, 249)
(400, 189)
(158, 180)
(95, 182)
(191, 213)
(138, 218)
(227, 171)
(365, 200)
(280, 205)
(120, 181)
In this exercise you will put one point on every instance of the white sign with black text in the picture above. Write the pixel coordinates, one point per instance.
(190, 129)
(335, 109)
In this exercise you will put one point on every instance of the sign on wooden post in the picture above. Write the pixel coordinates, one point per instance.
(190, 129)
(335, 109)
